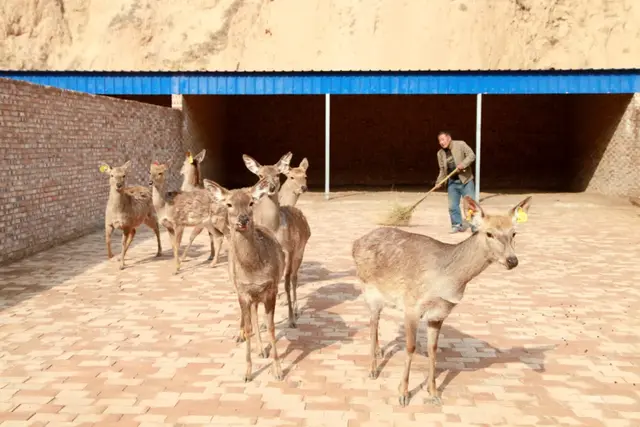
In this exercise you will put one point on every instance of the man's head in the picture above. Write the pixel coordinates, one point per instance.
(444, 139)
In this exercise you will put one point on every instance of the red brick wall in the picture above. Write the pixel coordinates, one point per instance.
(51, 144)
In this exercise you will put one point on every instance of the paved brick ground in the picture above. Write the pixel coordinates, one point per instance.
(553, 342)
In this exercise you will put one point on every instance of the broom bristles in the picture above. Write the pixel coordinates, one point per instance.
(399, 215)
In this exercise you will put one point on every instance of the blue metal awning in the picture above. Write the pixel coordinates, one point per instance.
(340, 83)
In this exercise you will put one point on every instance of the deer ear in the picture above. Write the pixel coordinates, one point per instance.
(200, 156)
(251, 163)
(218, 192)
(104, 168)
(260, 189)
(519, 213)
(304, 164)
(127, 165)
(283, 163)
(473, 211)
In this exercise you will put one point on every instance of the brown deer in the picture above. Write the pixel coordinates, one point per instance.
(127, 208)
(176, 210)
(423, 276)
(192, 179)
(295, 185)
(287, 222)
(256, 263)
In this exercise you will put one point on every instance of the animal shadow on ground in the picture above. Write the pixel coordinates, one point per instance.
(314, 272)
(455, 344)
(318, 327)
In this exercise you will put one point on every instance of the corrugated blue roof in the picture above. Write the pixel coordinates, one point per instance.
(346, 83)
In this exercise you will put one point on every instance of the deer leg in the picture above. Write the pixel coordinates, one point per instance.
(127, 237)
(375, 344)
(108, 231)
(245, 308)
(216, 245)
(152, 223)
(269, 308)
(194, 233)
(410, 330)
(287, 287)
(132, 234)
(295, 266)
(254, 317)
(178, 238)
(433, 332)
(213, 249)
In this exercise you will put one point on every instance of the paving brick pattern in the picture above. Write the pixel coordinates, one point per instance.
(553, 342)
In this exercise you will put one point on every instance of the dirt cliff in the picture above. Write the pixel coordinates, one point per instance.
(249, 35)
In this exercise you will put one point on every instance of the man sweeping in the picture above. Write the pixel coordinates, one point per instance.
(456, 155)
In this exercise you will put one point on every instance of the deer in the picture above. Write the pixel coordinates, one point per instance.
(256, 264)
(295, 185)
(192, 180)
(127, 208)
(287, 222)
(425, 277)
(176, 210)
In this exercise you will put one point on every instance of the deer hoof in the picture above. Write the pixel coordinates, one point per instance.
(292, 324)
(278, 376)
(434, 400)
(373, 374)
(247, 378)
(404, 399)
(210, 258)
(240, 338)
(264, 354)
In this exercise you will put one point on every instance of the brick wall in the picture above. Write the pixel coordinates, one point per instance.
(606, 144)
(51, 144)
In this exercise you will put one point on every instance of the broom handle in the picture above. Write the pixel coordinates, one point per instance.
(434, 187)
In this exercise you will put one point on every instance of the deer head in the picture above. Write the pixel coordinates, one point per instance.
(269, 172)
(158, 175)
(297, 177)
(498, 231)
(117, 175)
(239, 202)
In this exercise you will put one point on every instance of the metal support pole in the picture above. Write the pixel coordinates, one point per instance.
(478, 140)
(327, 143)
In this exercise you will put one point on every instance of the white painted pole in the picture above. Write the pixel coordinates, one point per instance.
(478, 140)
(327, 143)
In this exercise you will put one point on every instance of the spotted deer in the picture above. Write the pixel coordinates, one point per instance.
(295, 185)
(176, 210)
(287, 222)
(127, 208)
(192, 180)
(256, 264)
(425, 277)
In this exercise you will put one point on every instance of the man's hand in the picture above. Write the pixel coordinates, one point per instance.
(460, 167)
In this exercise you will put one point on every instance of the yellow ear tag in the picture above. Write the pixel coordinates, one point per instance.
(469, 214)
(191, 159)
(521, 216)
(103, 168)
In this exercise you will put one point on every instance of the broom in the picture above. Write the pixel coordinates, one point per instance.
(402, 215)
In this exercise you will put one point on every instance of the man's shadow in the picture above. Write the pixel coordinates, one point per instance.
(453, 345)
